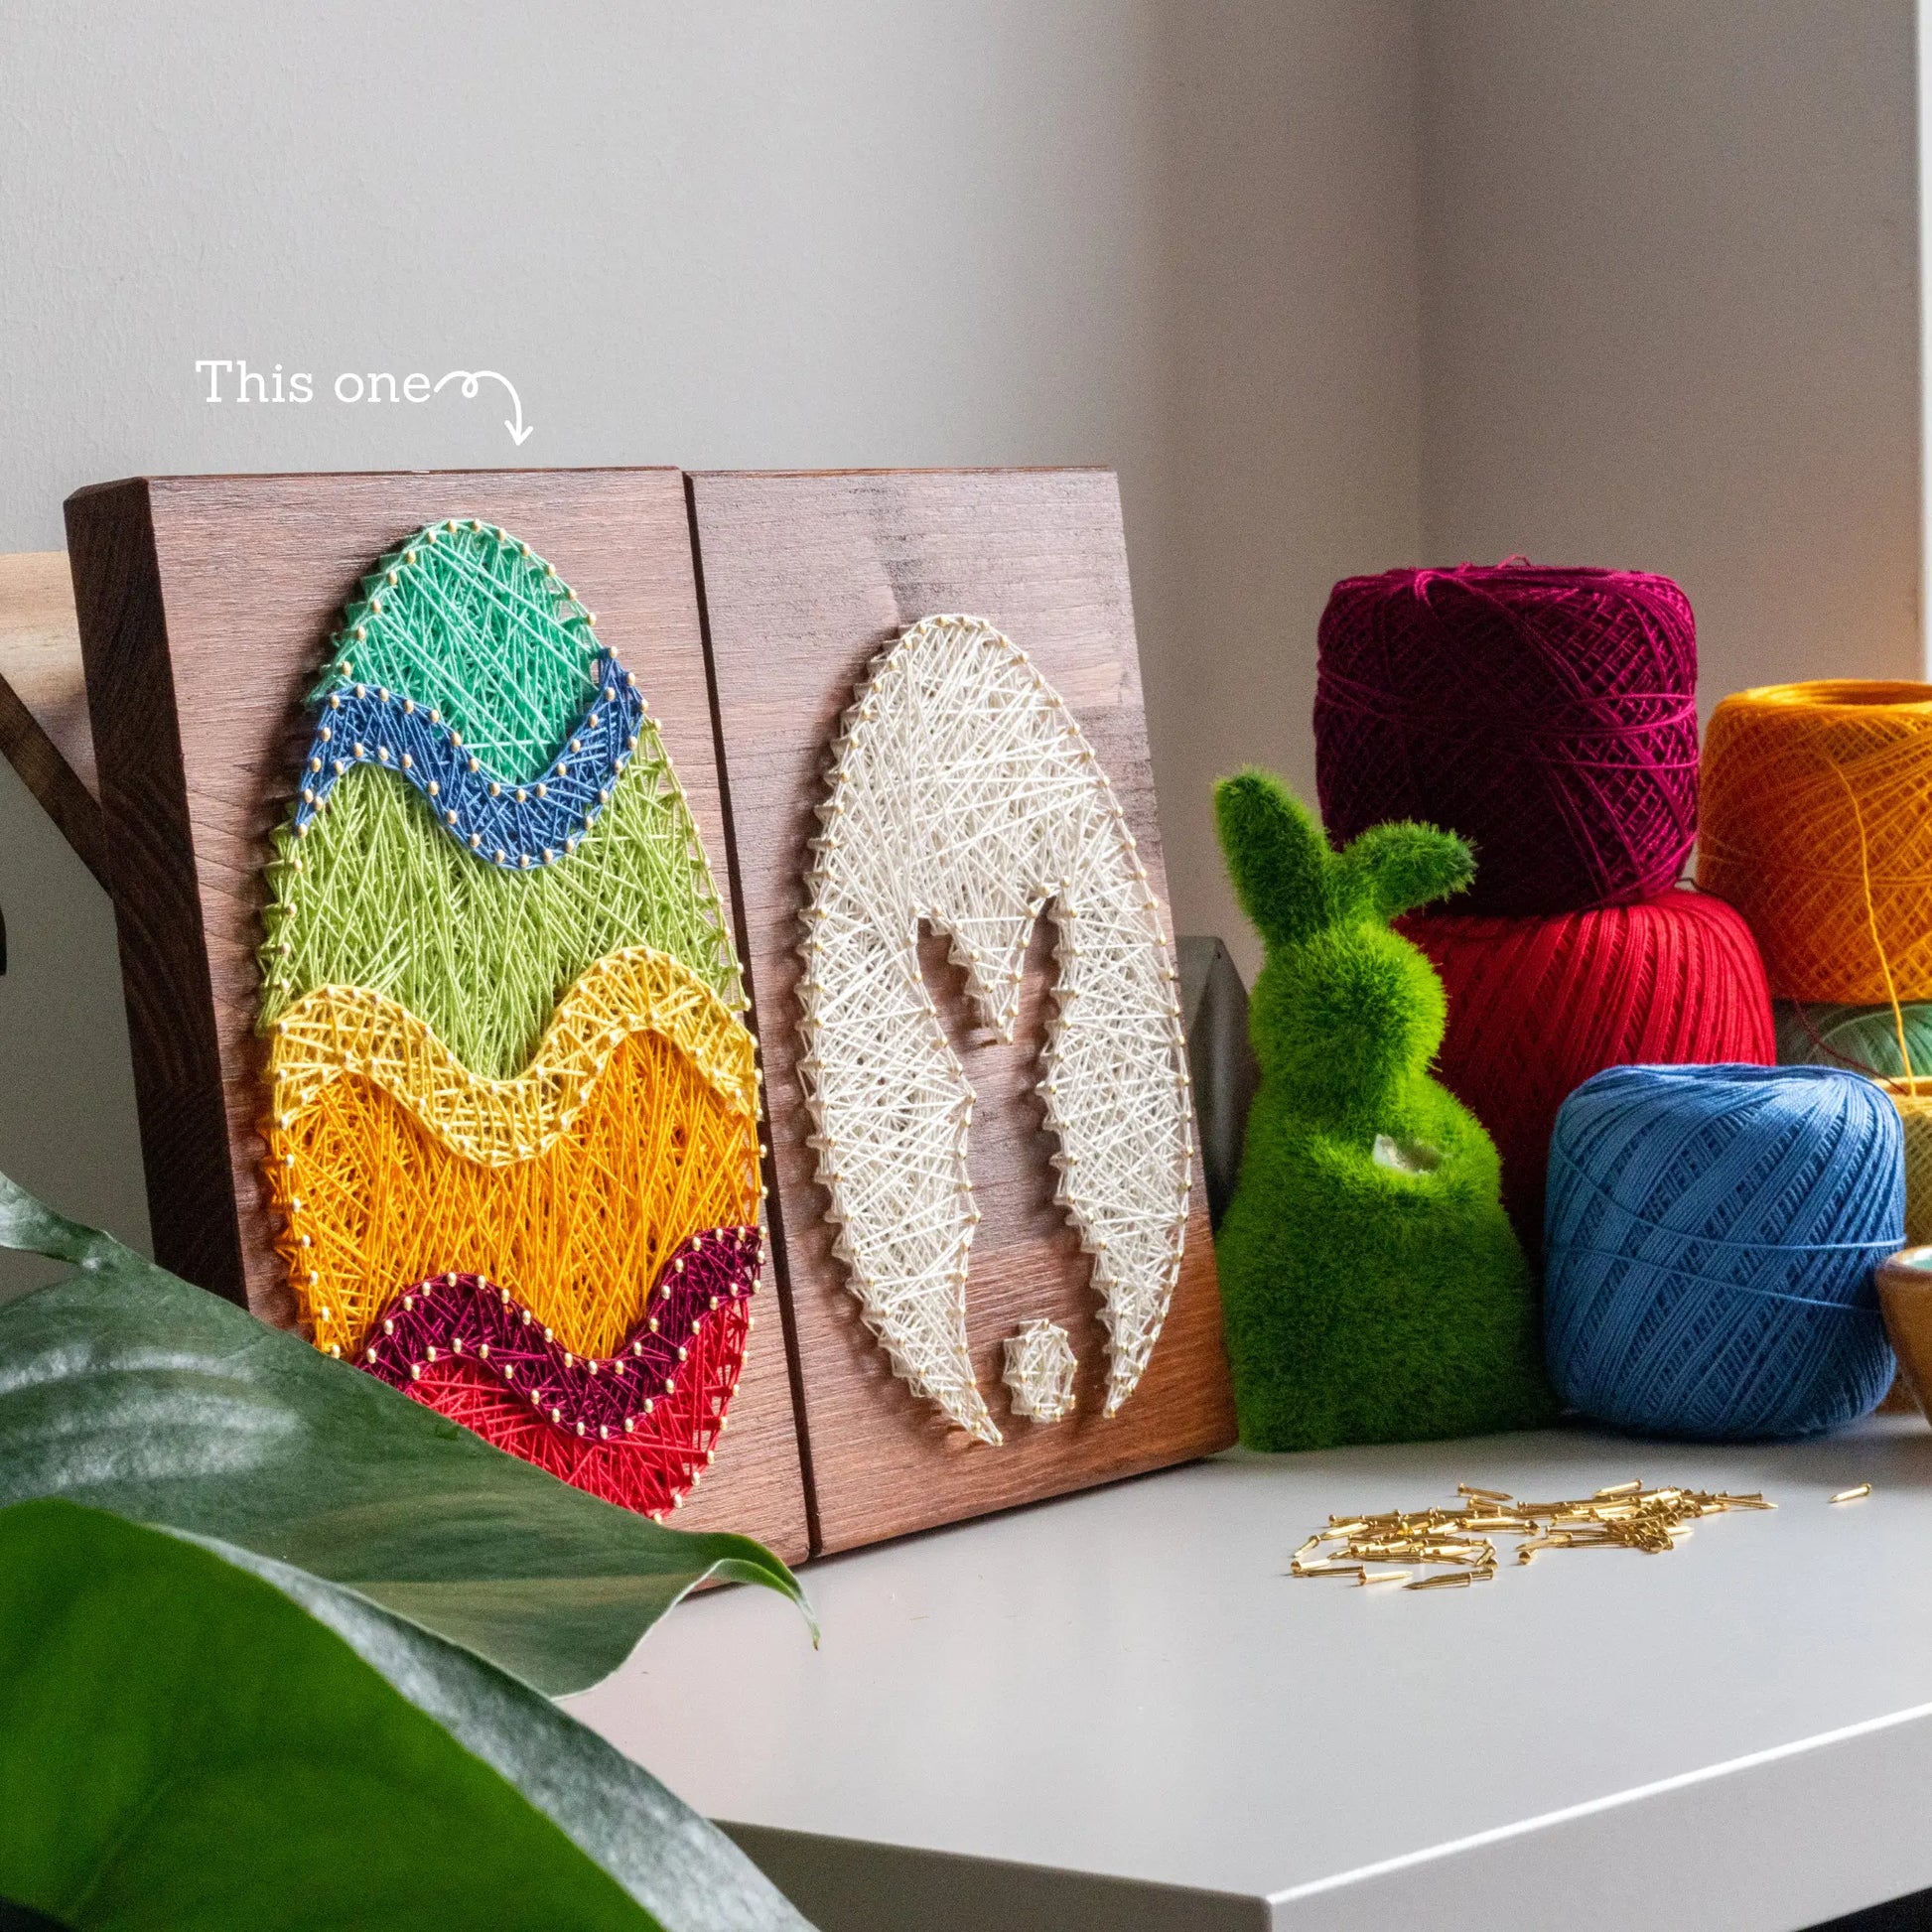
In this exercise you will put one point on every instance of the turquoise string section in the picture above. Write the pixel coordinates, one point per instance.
(468, 620)
(1711, 1234)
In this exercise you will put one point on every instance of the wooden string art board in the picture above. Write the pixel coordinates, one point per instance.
(236, 740)
(809, 582)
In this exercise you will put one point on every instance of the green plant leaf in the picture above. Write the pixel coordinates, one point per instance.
(123, 1387)
(186, 1743)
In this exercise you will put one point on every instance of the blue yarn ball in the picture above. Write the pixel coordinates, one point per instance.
(1711, 1233)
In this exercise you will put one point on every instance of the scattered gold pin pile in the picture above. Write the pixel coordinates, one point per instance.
(1626, 1516)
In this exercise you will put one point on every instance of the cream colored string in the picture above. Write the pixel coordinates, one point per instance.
(963, 793)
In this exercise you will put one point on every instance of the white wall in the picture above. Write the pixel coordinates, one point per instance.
(1175, 238)
(1670, 312)
(1295, 395)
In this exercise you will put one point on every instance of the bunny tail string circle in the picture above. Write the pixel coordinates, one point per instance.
(962, 793)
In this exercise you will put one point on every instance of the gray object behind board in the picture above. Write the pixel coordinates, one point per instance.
(1220, 1061)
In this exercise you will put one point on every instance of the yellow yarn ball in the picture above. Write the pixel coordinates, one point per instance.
(1817, 825)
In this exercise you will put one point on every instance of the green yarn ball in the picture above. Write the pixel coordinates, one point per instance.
(1372, 1286)
(1864, 1038)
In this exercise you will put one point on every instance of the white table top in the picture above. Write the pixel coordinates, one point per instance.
(1119, 1707)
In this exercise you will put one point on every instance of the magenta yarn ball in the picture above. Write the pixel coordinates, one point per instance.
(1547, 715)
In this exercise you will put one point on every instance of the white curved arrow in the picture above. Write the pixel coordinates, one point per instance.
(469, 378)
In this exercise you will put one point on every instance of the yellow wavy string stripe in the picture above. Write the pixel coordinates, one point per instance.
(633, 1128)
(350, 1030)
(1817, 825)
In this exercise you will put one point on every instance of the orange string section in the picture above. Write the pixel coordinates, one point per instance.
(375, 1201)
(1815, 825)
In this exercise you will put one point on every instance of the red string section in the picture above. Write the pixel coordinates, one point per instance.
(1548, 715)
(1536, 1005)
(649, 1471)
(637, 1428)
(603, 1396)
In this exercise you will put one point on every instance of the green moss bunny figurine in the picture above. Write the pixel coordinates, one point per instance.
(1374, 1290)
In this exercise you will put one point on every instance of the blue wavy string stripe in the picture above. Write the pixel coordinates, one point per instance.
(1711, 1235)
(510, 824)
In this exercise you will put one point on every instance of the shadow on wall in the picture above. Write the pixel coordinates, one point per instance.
(68, 1128)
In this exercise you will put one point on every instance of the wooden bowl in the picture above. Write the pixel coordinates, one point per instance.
(1906, 1298)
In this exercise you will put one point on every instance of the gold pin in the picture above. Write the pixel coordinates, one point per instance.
(1852, 1495)
(1622, 1516)
(1368, 1575)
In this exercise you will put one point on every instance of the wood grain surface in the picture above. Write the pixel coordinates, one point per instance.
(206, 607)
(44, 728)
(804, 579)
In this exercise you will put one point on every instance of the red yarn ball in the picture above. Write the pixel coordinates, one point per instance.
(1548, 715)
(1537, 1005)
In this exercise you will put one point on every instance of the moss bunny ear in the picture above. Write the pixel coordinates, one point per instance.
(1284, 871)
(1405, 865)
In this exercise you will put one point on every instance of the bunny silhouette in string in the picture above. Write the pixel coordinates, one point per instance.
(1372, 1286)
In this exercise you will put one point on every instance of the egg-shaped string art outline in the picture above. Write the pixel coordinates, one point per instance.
(510, 1098)
(962, 793)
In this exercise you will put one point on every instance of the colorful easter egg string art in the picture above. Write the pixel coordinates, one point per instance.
(962, 793)
(513, 1110)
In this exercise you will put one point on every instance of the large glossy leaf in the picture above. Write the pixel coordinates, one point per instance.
(123, 1387)
(186, 1743)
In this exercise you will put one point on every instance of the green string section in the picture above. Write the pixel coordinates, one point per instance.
(469, 621)
(384, 898)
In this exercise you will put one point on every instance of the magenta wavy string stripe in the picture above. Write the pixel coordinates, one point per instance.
(605, 1397)
(1547, 715)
